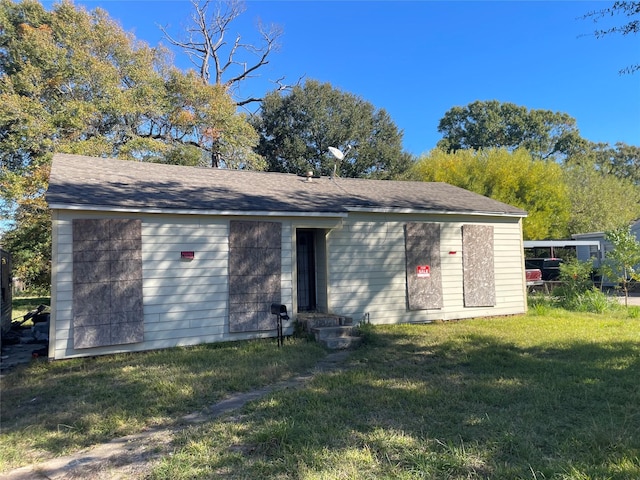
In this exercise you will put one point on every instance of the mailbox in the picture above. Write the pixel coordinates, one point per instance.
(280, 310)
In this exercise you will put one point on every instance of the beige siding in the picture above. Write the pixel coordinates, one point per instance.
(286, 279)
(321, 270)
(367, 268)
(185, 301)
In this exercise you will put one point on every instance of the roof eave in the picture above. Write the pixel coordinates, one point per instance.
(272, 213)
(434, 212)
(193, 211)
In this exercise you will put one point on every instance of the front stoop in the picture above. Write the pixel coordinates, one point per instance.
(335, 332)
(336, 338)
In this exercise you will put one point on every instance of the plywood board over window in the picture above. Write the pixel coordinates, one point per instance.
(424, 274)
(255, 264)
(478, 266)
(107, 282)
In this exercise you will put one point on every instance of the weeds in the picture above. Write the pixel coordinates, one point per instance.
(577, 293)
(523, 397)
(545, 395)
(633, 312)
(540, 304)
(67, 405)
(593, 301)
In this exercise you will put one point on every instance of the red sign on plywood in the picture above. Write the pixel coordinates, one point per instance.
(423, 271)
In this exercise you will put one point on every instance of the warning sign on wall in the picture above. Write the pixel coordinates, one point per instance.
(423, 271)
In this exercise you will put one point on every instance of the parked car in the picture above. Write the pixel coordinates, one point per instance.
(550, 267)
(534, 277)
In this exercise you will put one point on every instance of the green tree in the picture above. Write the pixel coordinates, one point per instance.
(599, 201)
(622, 160)
(621, 264)
(510, 177)
(30, 240)
(297, 128)
(73, 81)
(202, 123)
(77, 83)
(493, 124)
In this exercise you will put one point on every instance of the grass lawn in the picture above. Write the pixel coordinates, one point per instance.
(23, 305)
(547, 395)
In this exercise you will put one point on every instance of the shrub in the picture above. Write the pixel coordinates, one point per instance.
(575, 277)
(577, 292)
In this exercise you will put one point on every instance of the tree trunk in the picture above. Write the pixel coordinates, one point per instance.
(216, 155)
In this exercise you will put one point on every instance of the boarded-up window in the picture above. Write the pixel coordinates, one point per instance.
(424, 274)
(107, 282)
(255, 259)
(477, 261)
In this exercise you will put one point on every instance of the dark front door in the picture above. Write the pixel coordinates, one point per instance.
(305, 247)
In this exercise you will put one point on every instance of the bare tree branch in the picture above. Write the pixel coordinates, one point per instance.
(280, 87)
(216, 60)
(627, 9)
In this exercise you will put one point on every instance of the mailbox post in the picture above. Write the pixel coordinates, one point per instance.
(280, 311)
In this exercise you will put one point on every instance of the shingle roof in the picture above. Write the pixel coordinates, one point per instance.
(78, 181)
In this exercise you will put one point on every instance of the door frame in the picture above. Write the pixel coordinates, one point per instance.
(306, 276)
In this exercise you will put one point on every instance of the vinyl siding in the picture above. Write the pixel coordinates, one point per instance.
(185, 301)
(363, 266)
(367, 268)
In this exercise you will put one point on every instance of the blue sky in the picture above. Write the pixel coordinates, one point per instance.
(417, 59)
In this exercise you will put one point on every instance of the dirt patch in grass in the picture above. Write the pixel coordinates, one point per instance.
(125, 458)
(134, 456)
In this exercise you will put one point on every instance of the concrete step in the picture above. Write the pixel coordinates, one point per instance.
(341, 343)
(337, 338)
(323, 333)
(311, 321)
(335, 332)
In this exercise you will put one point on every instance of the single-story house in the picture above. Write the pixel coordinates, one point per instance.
(149, 256)
(600, 247)
(598, 253)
